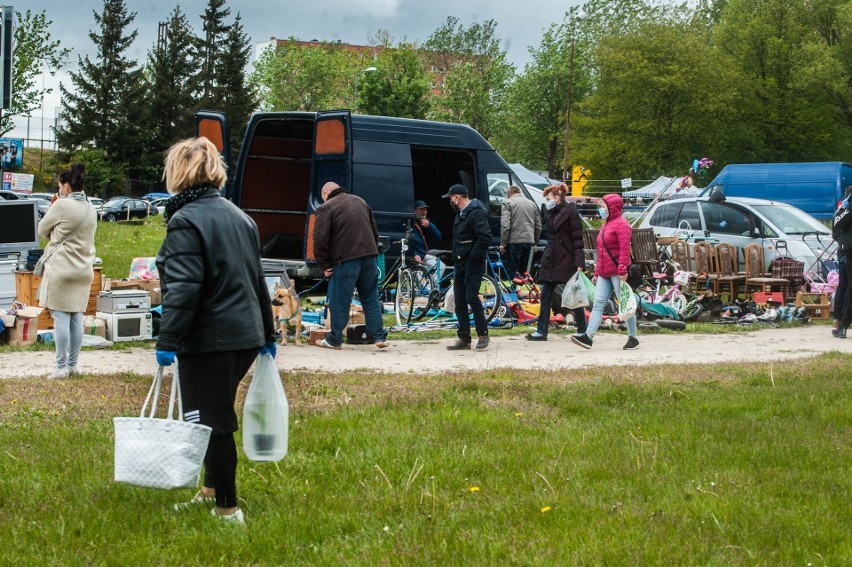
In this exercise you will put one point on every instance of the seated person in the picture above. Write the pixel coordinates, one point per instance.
(425, 236)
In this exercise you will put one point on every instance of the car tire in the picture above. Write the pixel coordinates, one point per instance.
(110, 217)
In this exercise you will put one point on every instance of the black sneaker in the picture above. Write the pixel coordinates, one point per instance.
(839, 332)
(482, 343)
(582, 340)
(632, 343)
(536, 337)
(459, 345)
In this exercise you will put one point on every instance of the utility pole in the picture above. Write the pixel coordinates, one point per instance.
(566, 167)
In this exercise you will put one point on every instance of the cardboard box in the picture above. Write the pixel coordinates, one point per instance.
(22, 326)
(151, 286)
(94, 326)
(356, 316)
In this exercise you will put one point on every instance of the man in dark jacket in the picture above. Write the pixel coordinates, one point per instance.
(345, 247)
(471, 238)
(842, 233)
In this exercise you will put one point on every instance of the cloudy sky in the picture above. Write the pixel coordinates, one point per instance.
(519, 23)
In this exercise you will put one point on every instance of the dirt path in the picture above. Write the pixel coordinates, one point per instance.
(429, 357)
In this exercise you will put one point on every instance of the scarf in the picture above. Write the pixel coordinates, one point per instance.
(174, 204)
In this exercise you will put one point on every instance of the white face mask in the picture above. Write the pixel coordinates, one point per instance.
(549, 204)
(603, 212)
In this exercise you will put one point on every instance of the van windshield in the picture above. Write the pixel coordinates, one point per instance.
(791, 220)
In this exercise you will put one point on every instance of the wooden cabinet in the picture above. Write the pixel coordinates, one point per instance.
(26, 288)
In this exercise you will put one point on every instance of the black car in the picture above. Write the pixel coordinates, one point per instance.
(122, 208)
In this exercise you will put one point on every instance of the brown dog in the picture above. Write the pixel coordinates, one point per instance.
(287, 311)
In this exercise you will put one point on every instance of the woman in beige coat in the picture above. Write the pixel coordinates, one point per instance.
(69, 227)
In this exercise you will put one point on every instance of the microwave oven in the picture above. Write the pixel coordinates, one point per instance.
(127, 326)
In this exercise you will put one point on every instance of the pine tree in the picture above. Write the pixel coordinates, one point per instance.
(103, 109)
(172, 76)
(232, 92)
(210, 48)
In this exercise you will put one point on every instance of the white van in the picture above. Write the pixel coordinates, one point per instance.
(742, 221)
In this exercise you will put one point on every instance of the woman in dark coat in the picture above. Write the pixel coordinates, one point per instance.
(562, 258)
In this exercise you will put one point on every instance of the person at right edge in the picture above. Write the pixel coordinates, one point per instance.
(562, 257)
(611, 269)
(471, 238)
(842, 233)
(217, 312)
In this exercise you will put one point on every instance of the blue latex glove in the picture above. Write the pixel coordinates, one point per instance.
(165, 357)
(269, 348)
(845, 203)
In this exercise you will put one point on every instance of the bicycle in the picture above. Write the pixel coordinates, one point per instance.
(420, 291)
(676, 297)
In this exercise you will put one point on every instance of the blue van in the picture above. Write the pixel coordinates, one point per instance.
(286, 157)
(813, 187)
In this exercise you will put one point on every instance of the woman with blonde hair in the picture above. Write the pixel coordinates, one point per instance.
(69, 227)
(562, 257)
(216, 307)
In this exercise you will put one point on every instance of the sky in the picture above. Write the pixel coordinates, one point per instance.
(519, 25)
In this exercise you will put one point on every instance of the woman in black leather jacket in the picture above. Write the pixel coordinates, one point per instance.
(216, 307)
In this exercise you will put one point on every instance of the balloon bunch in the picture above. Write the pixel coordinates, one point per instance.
(699, 169)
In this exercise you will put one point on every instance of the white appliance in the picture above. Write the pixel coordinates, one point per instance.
(127, 314)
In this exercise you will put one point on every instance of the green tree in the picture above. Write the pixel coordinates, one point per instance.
(771, 40)
(399, 86)
(209, 49)
(658, 98)
(33, 50)
(290, 76)
(104, 108)
(233, 93)
(536, 104)
(171, 74)
(477, 74)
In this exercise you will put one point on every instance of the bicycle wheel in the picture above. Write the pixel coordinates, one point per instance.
(678, 303)
(491, 297)
(422, 284)
(692, 310)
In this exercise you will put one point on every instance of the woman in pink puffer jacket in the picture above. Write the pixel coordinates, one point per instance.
(613, 260)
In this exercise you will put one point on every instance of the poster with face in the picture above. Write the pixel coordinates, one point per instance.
(11, 154)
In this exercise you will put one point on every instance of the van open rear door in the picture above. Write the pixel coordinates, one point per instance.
(332, 161)
(213, 125)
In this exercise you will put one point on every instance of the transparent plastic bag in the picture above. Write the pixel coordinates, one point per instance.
(626, 302)
(576, 292)
(265, 414)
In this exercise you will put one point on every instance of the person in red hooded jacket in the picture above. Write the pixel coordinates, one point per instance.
(613, 261)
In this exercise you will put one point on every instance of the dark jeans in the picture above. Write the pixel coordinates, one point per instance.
(208, 389)
(361, 274)
(842, 293)
(515, 258)
(847, 316)
(547, 300)
(468, 277)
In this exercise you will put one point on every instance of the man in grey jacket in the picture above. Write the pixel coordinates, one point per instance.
(520, 227)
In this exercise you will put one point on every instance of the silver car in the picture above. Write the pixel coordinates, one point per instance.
(742, 221)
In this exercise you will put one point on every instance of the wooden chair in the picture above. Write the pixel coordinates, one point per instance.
(643, 245)
(680, 254)
(705, 265)
(756, 276)
(590, 243)
(728, 278)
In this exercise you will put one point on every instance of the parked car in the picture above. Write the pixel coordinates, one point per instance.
(742, 221)
(43, 205)
(160, 203)
(96, 202)
(120, 208)
(152, 196)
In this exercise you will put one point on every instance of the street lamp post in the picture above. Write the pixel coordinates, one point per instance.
(355, 86)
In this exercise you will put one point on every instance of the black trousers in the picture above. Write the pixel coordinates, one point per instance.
(468, 277)
(208, 387)
(548, 304)
(847, 316)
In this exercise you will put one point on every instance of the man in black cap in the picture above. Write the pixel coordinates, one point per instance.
(471, 238)
(425, 236)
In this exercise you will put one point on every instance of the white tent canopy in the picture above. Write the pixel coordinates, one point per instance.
(528, 177)
(664, 187)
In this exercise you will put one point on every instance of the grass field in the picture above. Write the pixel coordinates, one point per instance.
(698, 465)
(117, 244)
